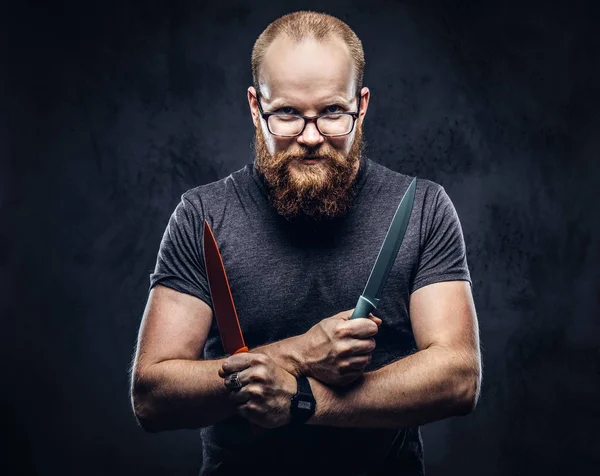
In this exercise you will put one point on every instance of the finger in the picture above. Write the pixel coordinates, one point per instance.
(375, 319)
(361, 328)
(345, 315)
(242, 378)
(357, 362)
(252, 413)
(250, 394)
(239, 396)
(362, 346)
(238, 362)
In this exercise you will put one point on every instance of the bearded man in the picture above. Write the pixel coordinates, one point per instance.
(299, 230)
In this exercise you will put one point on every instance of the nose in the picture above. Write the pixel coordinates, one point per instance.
(311, 136)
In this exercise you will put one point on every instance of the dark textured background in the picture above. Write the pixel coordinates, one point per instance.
(110, 110)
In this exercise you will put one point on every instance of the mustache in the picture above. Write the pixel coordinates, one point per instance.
(310, 155)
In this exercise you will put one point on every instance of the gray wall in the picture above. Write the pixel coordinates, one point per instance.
(111, 110)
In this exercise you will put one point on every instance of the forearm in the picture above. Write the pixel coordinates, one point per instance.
(181, 394)
(429, 385)
(287, 353)
(187, 394)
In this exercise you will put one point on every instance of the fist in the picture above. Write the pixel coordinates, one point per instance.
(337, 349)
(260, 389)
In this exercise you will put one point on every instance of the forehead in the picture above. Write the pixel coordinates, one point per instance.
(307, 72)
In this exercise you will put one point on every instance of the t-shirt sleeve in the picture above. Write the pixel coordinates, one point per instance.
(443, 256)
(180, 260)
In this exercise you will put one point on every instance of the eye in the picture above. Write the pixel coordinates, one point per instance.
(285, 110)
(328, 109)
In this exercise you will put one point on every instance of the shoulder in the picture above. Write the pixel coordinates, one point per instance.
(214, 194)
(432, 204)
(390, 180)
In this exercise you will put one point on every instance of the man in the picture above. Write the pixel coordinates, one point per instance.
(299, 231)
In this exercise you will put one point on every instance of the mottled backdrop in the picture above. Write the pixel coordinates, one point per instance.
(111, 110)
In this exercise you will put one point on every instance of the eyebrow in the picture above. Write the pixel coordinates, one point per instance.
(277, 103)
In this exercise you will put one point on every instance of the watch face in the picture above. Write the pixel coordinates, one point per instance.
(304, 405)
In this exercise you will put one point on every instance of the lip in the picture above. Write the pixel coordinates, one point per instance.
(311, 161)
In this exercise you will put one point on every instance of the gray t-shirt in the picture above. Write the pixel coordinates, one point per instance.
(285, 277)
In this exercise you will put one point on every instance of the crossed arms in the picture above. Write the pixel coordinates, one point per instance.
(173, 388)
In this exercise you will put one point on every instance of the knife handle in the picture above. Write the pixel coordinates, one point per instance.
(363, 308)
(255, 428)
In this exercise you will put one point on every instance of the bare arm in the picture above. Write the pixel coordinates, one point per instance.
(441, 379)
(171, 386)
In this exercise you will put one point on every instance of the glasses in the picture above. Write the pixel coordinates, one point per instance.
(292, 125)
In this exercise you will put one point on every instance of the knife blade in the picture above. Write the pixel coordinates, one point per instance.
(369, 299)
(220, 292)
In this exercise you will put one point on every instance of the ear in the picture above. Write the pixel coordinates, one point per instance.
(252, 102)
(364, 103)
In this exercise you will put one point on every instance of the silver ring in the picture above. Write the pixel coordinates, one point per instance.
(235, 380)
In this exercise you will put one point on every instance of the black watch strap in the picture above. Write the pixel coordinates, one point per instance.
(303, 404)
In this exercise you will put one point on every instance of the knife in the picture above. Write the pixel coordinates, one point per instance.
(224, 308)
(369, 299)
(220, 292)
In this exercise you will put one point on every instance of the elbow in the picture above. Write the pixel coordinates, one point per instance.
(144, 415)
(468, 390)
(150, 419)
(144, 409)
(154, 414)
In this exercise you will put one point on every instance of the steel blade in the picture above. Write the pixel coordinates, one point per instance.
(387, 254)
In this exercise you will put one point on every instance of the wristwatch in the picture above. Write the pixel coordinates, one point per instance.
(303, 403)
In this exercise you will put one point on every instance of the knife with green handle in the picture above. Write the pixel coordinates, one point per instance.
(369, 299)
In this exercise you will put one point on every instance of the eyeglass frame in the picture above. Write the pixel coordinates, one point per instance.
(307, 119)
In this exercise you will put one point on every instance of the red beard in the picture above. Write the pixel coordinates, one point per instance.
(319, 191)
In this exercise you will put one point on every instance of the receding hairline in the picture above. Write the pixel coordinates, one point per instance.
(330, 40)
(307, 25)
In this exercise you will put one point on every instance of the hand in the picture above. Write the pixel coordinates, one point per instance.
(337, 349)
(265, 396)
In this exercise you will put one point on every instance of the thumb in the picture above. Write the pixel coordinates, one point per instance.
(345, 315)
(375, 319)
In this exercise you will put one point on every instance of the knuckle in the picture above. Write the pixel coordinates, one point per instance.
(256, 390)
(344, 328)
(252, 376)
(341, 349)
(364, 361)
(261, 374)
(256, 376)
(345, 368)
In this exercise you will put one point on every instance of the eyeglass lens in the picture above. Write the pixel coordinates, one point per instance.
(331, 124)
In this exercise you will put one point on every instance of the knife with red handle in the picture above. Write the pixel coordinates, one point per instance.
(220, 292)
(223, 306)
